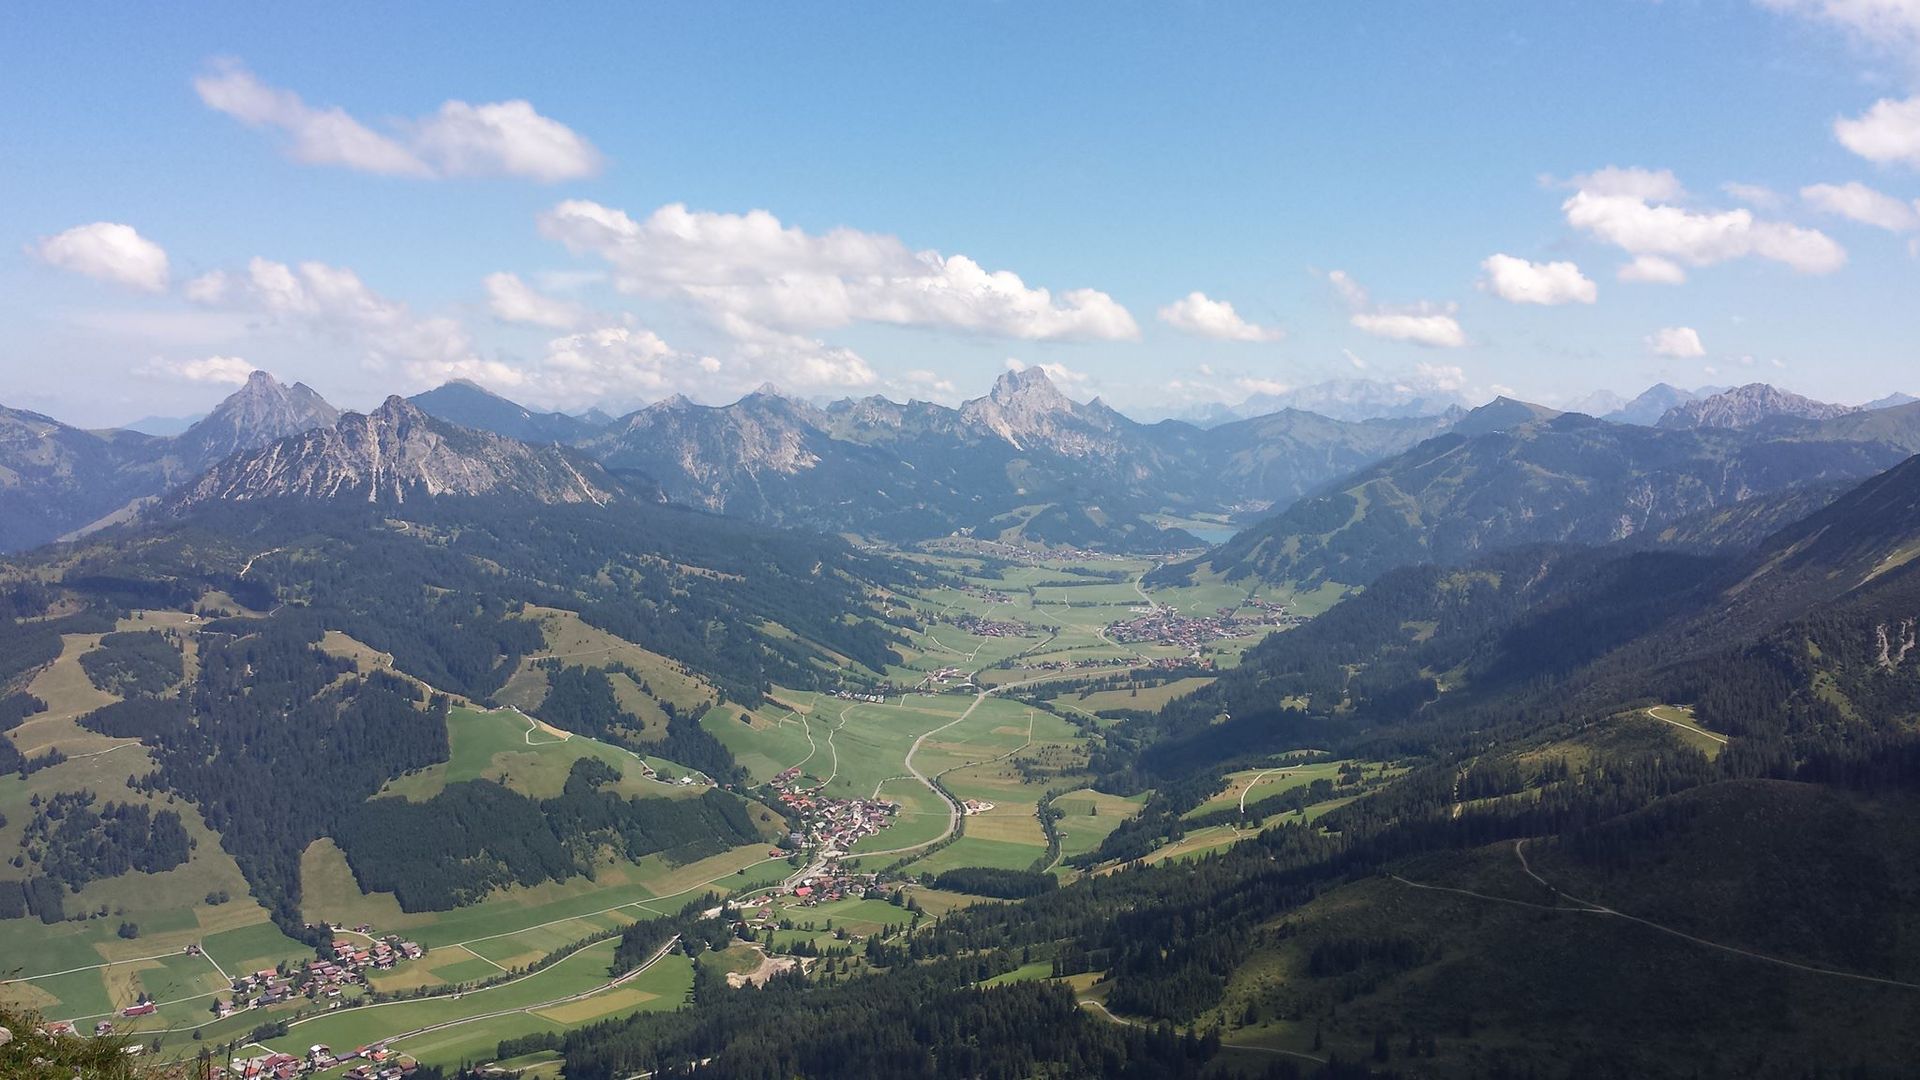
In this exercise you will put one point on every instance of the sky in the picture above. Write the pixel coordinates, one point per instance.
(1163, 204)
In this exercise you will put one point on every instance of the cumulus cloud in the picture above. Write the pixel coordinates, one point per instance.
(108, 251)
(1858, 202)
(1449, 378)
(1059, 373)
(1653, 270)
(1436, 330)
(1678, 342)
(513, 300)
(1651, 185)
(1889, 25)
(920, 379)
(1202, 316)
(617, 363)
(1423, 324)
(1521, 282)
(505, 138)
(1889, 131)
(752, 269)
(221, 370)
(1634, 210)
(333, 302)
(1758, 196)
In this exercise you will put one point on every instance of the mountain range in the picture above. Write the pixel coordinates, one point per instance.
(1024, 463)
(1510, 474)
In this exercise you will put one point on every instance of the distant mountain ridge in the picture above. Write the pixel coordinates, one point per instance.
(56, 479)
(1745, 406)
(1563, 478)
(471, 405)
(396, 453)
(995, 465)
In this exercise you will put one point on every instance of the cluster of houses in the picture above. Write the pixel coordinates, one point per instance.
(1158, 663)
(830, 824)
(943, 677)
(322, 978)
(870, 698)
(831, 882)
(379, 1063)
(1159, 625)
(980, 626)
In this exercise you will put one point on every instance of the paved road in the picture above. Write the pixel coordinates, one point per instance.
(953, 808)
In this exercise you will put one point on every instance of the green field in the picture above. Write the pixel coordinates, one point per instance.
(330, 895)
(1088, 816)
(514, 750)
(1257, 784)
(568, 994)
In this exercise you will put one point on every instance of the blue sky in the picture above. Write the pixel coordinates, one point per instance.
(336, 195)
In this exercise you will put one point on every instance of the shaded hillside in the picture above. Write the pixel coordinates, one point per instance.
(56, 479)
(470, 405)
(1566, 478)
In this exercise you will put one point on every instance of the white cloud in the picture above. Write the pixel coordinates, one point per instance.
(922, 379)
(1890, 25)
(224, 370)
(1354, 359)
(1434, 330)
(334, 303)
(1443, 377)
(796, 360)
(1858, 202)
(1624, 214)
(506, 138)
(108, 251)
(608, 361)
(753, 268)
(1059, 373)
(1521, 282)
(1262, 387)
(1653, 270)
(1652, 185)
(1422, 324)
(1889, 131)
(617, 363)
(1679, 342)
(1196, 313)
(1758, 196)
(1350, 290)
(513, 300)
(501, 139)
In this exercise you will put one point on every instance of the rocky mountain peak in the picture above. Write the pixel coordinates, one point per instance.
(395, 453)
(1029, 388)
(259, 412)
(1745, 406)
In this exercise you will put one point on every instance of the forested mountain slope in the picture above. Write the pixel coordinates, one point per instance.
(1565, 478)
(55, 479)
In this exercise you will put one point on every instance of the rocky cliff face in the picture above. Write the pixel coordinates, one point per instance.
(1031, 414)
(258, 413)
(397, 453)
(1745, 406)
